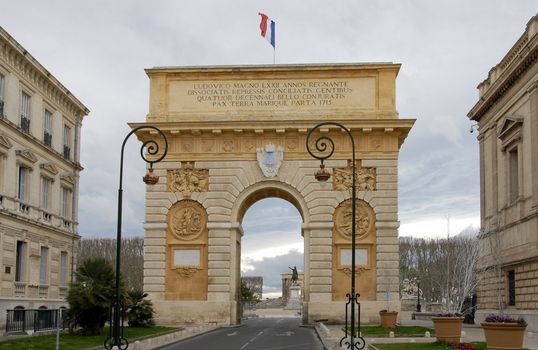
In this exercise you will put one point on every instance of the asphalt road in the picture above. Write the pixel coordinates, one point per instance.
(256, 334)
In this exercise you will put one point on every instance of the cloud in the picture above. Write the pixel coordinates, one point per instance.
(270, 269)
(98, 50)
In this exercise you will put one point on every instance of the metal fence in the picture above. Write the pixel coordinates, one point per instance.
(30, 320)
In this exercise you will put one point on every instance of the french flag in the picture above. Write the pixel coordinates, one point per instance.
(267, 27)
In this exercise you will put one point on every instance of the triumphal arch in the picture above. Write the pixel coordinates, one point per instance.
(237, 135)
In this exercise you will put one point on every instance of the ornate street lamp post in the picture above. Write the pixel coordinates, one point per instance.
(116, 338)
(323, 148)
(419, 307)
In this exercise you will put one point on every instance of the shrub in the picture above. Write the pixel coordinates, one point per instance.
(139, 310)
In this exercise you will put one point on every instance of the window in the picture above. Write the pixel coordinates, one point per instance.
(511, 287)
(43, 265)
(20, 261)
(46, 185)
(2, 79)
(63, 269)
(66, 203)
(47, 128)
(67, 142)
(25, 112)
(513, 174)
(23, 183)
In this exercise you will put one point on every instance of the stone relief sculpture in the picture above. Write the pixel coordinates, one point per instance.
(366, 178)
(409, 288)
(188, 180)
(186, 272)
(270, 158)
(188, 221)
(358, 270)
(364, 219)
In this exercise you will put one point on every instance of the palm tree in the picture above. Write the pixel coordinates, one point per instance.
(90, 296)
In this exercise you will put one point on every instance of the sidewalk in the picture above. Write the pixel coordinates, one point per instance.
(160, 341)
(330, 335)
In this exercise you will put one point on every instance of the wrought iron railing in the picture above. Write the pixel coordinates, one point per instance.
(30, 320)
(47, 139)
(67, 152)
(25, 124)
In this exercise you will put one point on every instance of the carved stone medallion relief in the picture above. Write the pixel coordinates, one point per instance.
(364, 220)
(188, 220)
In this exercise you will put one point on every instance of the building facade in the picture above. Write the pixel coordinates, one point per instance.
(237, 135)
(40, 123)
(507, 116)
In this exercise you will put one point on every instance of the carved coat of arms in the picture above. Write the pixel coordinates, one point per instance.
(270, 158)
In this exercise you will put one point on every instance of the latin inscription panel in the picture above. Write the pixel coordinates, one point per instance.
(224, 96)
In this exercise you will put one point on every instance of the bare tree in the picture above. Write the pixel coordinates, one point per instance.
(132, 257)
(446, 268)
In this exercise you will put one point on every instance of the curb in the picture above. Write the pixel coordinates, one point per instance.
(191, 337)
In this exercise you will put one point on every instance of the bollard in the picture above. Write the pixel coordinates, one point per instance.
(391, 334)
(427, 334)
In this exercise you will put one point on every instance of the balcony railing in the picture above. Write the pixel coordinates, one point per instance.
(29, 321)
(47, 139)
(20, 289)
(63, 291)
(1, 109)
(46, 216)
(25, 124)
(24, 208)
(43, 291)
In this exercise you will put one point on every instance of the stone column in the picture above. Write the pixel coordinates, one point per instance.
(318, 265)
(533, 98)
(305, 232)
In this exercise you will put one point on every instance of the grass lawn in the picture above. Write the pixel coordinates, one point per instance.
(402, 331)
(77, 342)
(420, 346)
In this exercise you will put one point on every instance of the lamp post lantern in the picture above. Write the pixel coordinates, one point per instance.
(323, 148)
(151, 147)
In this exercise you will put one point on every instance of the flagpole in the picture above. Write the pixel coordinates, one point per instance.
(274, 49)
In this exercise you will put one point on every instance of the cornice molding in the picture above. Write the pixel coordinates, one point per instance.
(15, 56)
(5, 144)
(49, 168)
(26, 156)
(68, 179)
(516, 67)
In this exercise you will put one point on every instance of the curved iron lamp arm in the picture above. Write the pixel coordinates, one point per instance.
(152, 148)
(324, 149)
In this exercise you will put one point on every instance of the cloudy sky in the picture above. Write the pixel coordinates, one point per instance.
(98, 49)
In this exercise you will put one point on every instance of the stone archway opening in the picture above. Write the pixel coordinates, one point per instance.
(271, 244)
(271, 219)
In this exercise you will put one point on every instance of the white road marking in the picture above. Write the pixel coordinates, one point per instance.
(232, 334)
(285, 334)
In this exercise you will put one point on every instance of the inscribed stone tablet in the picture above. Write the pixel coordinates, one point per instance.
(187, 257)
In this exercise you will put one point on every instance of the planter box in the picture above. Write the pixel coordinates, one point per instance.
(388, 318)
(505, 336)
(448, 329)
